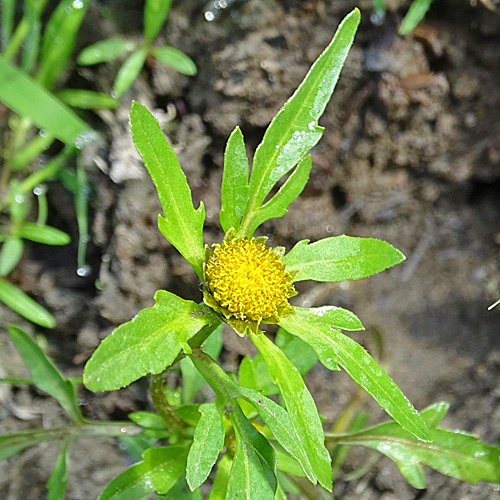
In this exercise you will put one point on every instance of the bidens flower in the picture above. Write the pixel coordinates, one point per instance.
(246, 282)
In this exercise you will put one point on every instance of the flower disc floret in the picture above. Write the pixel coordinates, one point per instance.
(246, 280)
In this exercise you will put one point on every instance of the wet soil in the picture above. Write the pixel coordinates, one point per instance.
(410, 154)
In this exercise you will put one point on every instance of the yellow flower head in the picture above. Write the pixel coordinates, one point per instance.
(246, 282)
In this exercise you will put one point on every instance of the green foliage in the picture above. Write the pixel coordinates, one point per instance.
(415, 14)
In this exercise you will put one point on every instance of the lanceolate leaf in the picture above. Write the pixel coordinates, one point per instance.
(333, 345)
(147, 344)
(208, 441)
(87, 99)
(294, 130)
(155, 13)
(300, 406)
(417, 11)
(59, 477)
(340, 258)
(129, 72)
(45, 374)
(159, 471)
(234, 191)
(105, 50)
(277, 205)
(182, 224)
(43, 234)
(453, 453)
(170, 56)
(10, 254)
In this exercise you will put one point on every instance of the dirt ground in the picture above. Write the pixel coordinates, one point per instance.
(411, 155)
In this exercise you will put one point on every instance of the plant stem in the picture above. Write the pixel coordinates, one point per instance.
(163, 407)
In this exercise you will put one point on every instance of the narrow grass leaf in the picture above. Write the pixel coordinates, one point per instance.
(10, 444)
(147, 343)
(45, 374)
(277, 206)
(155, 14)
(31, 150)
(417, 12)
(170, 56)
(294, 130)
(129, 71)
(24, 305)
(8, 8)
(208, 441)
(28, 99)
(330, 344)
(43, 234)
(453, 453)
(59, 39)
(340, 258)
(234, 190)
(300, 406)
(159, 470)
(105, 50)
(86, 99)
(59, 477)
(182, 224)
(10, 254)
(31, 44)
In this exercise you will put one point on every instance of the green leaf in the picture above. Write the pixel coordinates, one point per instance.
(340, 258)
(43, 234)
(182, 224)
(176, 59)
(30, 151)
(86, 99)
(300, 406)
(129, 71)
(453, 453)
(222, 477)
(11, 444)
(294, 130)
(105, 50)
(277, 206)
(159, 471)
(417, 12)
(155, 13)
(378, 6)
(279, 423)
(248, 478)
(17, 205)
(45, 374)
(137, 445)
(180, 490)
(147, 344)
(208, 441)
(148, 420)
(234, 191)
(59, 39)
(24, 305)
(7, 11)
(192, 381)
(332, 345)
(10, 254)
(59, 477)
(31, 43)
(28, 99)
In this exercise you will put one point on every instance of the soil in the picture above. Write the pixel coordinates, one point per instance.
(410, 154)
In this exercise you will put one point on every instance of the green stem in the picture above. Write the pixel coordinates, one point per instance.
(163, 407)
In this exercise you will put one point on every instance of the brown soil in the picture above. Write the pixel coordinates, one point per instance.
(411, 155)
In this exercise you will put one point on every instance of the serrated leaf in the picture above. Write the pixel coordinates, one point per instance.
(192, 381)
(279, 423)
(159, 471)
(45, 374)
(59, 39)
(330, 344)
(10, 254)
(170, 56)
(182, 225)
(155, 13)
(340, 258)
(277, 206)
(43, 234)
(234, 190)
(147, 343)
(208, 441)
(453, 453)
(300, 406)
(59, 477)
(27, 98)
(24, 305)
(105, 50)
(129, 71)
(294, 130)
(415, 14)
(148, 420)
(86, 99)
